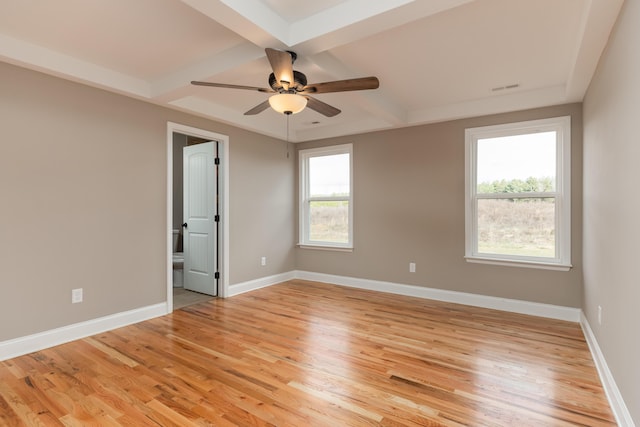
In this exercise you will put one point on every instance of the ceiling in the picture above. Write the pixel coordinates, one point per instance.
(436, 60)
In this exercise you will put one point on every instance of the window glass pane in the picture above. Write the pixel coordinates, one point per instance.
(329, 175)
(329, 221)
(517, 227)
(517, 164)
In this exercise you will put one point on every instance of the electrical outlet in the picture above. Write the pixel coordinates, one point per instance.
(599, 315)
(263, 261)
(412, 267)
(76, 295)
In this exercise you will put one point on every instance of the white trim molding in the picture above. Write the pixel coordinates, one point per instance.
(224, 266)
(618, 407)
(263, 282)
(515, 306)
(560, 192)
(305, 198)
(30, 343)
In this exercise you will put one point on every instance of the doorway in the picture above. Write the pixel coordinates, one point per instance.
(179, 136)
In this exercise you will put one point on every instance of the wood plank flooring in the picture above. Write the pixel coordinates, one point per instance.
(310, 354)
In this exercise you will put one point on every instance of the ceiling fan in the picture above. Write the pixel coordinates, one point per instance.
(292, 93)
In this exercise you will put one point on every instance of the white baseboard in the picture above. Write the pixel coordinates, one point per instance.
(263, 282)
(30, 343)
(516, 306)
(619, 408)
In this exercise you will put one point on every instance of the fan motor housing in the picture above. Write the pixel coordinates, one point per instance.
(299, 81)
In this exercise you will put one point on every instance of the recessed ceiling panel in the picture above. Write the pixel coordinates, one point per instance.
(295, 10)
(461, 54)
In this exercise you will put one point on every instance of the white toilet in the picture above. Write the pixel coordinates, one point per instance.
(178, 261)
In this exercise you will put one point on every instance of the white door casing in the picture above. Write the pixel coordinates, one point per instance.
(200, 210)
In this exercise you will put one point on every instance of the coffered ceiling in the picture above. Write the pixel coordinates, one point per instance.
(436, 59)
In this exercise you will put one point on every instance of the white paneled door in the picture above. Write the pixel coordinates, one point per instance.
(201, 218)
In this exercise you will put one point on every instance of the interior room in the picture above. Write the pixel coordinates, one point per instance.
(346, 258)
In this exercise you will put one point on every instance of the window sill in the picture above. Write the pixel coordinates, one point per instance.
(325, 248)
(514, 263)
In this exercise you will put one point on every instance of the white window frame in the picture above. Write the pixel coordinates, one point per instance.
(562, 194)
(305, 199)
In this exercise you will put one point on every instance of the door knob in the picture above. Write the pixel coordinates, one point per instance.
(184, 225)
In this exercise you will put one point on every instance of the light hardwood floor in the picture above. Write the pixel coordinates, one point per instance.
(309, 354)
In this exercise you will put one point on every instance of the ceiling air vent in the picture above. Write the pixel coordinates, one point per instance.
(511, 86)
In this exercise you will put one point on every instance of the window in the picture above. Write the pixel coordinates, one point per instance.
(326, 191)
(518, 201)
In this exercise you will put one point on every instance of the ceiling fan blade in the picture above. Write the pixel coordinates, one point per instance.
(362, 83)
(259, 89)
(321, 107)
(282, 65)
(258, 108)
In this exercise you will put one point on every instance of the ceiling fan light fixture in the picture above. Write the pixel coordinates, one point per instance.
(288, 103)
(288, 84)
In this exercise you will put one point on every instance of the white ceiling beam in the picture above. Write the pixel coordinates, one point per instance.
(597, 22)
(517, 101)
(350, 127)
(262, 16)
(340, 16)
(169, 87)
(38, 58)
(204, 108)
(341, 24)
(373, 101)
(250, 19)
(331, 28)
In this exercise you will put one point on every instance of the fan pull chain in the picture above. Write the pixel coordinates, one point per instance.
(287, 142)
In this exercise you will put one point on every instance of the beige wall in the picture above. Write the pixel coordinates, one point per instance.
(409, 207)
(612, 206)
(263, 210)
(79, 213)
(83, 202)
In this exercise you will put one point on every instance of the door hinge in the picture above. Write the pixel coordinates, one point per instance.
(217, 160)
(216, 275)
(216, 218)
